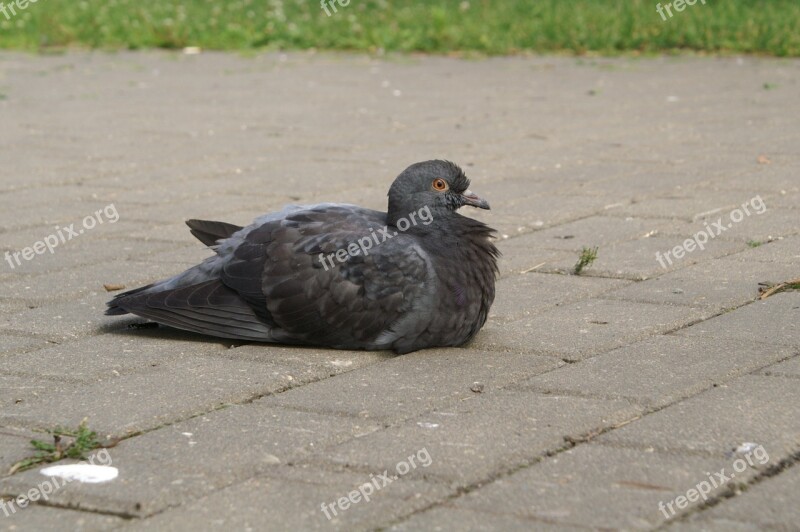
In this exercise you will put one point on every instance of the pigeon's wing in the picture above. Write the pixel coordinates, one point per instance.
(208, 307)
(209, 232)
(287, 269)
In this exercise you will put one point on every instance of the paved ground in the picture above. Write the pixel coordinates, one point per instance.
(606, 400)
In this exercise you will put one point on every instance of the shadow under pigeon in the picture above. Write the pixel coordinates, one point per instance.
(135, 327)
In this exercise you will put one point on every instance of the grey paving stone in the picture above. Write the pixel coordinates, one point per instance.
(628, 184)
(299, 493)
(714, 525)
(35, 518)
(788, 368)
(328, 362)
(789, 197)
(762, 410)
(472, 441)
(175, 232)
(167, 393)
(448, 518)
(11, 305)
(660, 370)
(206, 207)
(771, 224)
(520, 256)
(29, 197)
(585, 328)
(692, 203)
(120, 230)
(775, 320)
(64, 321)
(408, 385)
(14, 446)
(637, 259)
(84, 250)
(74, 283)
(19, 344)
(109, 355)
(542, 211)
(176, 464)
(169, 189)
(590, 232)
(596, 486)
(17, 390)
(180, 257)
(774, 179)
(783, 250)
(64, 208)
(513, 294)
(718, 284)
(769, 505)
(519, 189)
(106, 225)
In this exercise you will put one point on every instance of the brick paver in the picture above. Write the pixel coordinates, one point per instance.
(586, 400)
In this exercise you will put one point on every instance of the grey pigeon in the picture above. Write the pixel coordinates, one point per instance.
(337, 275)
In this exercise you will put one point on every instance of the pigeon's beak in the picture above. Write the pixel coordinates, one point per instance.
(472, 199)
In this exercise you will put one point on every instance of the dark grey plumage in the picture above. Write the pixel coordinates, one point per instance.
(424, 284)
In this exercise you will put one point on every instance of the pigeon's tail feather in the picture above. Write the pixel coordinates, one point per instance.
(113, 306)
(208, 270)
(209, 232)
(206, 308)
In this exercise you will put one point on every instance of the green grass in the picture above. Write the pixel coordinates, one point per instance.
(436, 26)
(587, 256)
(66, 444)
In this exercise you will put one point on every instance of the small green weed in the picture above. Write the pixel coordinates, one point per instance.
(67, 443)
(587, 256)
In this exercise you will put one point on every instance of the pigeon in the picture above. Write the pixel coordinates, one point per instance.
(340, 276)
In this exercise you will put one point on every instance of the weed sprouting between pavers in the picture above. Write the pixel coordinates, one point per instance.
(587, 256)
(67, 443)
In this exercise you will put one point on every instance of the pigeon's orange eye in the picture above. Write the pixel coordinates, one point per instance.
(440, 185)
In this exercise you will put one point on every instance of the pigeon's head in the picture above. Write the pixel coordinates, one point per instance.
(439, 185)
